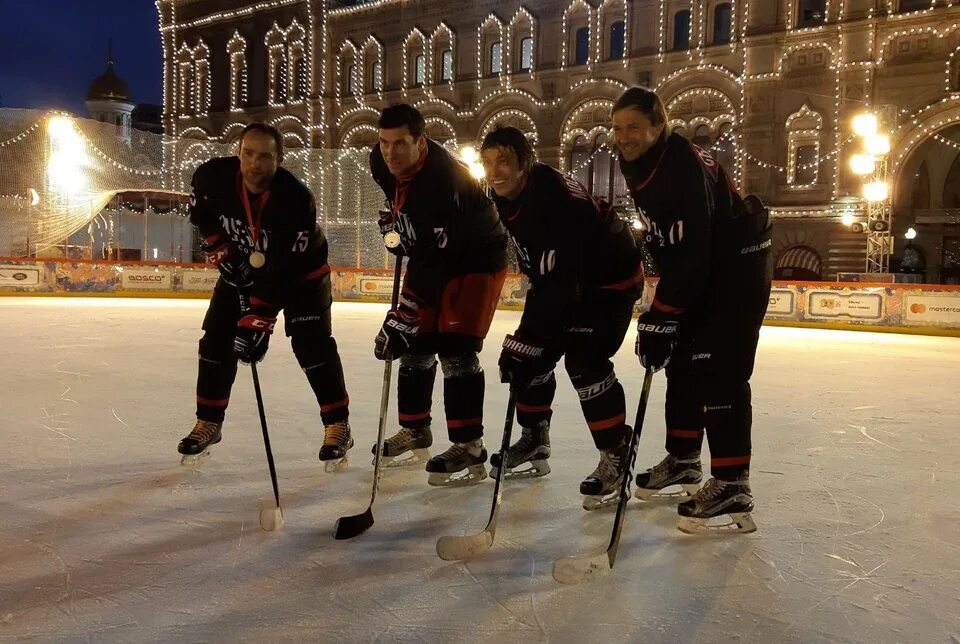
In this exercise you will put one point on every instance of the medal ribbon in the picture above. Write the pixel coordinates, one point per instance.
(254, 227)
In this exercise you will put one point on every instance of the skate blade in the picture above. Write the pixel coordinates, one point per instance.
(193, 460)
(474, 474)
(733, 523)
(536, 470)
(668, 495)
(592, 503)
(417, 457)
(336, 465)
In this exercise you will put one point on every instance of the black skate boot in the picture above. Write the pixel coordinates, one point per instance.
(196, 444)
(602, 487)
(659, 482)
(533, 448)
(720, 507)
(336, 442)
(461, 456)
(411, 444)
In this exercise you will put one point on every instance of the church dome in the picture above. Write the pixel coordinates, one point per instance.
(108, 87)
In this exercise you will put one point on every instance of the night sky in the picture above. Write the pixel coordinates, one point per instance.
(52, 49)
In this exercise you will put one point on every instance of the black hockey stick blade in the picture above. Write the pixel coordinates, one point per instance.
(573, 570)
(353, 525)
(453, 548)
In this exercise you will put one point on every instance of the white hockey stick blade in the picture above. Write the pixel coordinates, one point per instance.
(463, 548)
(574, 570)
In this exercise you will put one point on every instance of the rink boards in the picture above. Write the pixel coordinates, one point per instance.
(903, 308)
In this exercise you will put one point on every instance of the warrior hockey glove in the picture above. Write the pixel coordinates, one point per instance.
(656, 338)
(522, 361)
(234, 265)
(253, 331)
(398, 330)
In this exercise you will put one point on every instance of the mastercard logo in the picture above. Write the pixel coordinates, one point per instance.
(918, 308)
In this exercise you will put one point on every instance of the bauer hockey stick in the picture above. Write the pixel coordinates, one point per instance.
(270, 518)
(349, 527)
(450, 548)
(573, 570)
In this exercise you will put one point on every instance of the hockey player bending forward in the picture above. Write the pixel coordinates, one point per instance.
(712, 251)
(585, 274)
(456, 247)
(259, 227)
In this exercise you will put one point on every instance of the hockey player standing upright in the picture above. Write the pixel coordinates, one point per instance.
(259, 226)
(585, 274)
(456, 247)
(712, 251)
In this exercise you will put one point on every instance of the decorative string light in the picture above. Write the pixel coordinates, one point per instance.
(20, 137)
(346, 63)
(530, 130)
(573, 8)
(237, 54)
(415, 34)
(521, 17)
(484, 44)
(604, 29)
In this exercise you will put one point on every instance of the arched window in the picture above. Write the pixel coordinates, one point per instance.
(582, 49)
(721, 24)
(617, 40)
(681, 30)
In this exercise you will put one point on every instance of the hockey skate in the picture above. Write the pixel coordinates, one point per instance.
(720, 507)
(337, 441)
(669, 481)
(602, 487)
(470, 456)
(407, 447)
(196, 444)
(533, 448)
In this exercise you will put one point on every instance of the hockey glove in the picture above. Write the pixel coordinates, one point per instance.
(257, 320)
(656, 338)
(234, 266)
(398, 331)
(388, 228)
(522, 361)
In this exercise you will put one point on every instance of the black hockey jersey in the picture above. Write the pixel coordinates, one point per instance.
(293, 243)
(448, 226)
(566, 242)
(697, 229)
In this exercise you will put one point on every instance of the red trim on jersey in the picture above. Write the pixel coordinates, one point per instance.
(317, 273)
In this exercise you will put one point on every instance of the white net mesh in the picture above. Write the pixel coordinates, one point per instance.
(81, 188)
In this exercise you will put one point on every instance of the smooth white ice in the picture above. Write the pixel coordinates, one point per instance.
(106, 538)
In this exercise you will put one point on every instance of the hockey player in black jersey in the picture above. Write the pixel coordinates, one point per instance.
(457, 265)
(585, 274)
(712, 251)
(259, 226)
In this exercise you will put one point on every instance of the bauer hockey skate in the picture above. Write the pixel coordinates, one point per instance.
(444, 468)
(720, 507)
(196, 444)
(407, 447)
(671, 480)
(337, 441)
(533, 449)
(602, 487)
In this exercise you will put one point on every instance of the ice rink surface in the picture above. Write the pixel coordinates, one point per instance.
(106, 538)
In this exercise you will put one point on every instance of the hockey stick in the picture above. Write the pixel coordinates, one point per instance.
(573, 570)
(270, 518)
(466, 547)
(349, 527)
